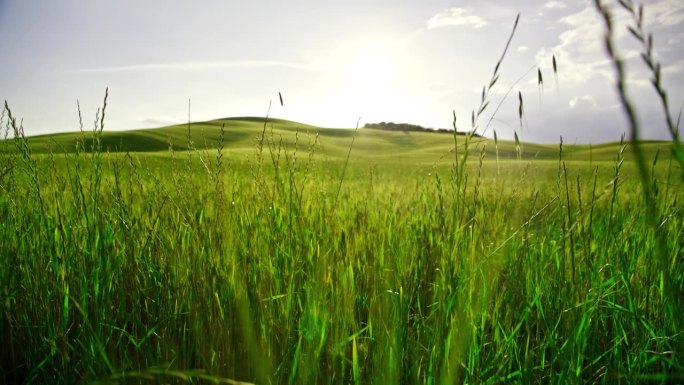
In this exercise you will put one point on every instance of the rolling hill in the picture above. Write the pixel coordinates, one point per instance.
(242, 135)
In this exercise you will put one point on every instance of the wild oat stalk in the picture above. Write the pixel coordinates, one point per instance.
(218, 176)
(8, 160)
(652, 214)
(555, 72)
(540, 85)
(646, 41)
(486, 89)
(628, 107)
(29, 161)
(496, 146)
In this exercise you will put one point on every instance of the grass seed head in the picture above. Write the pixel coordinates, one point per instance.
(540, 79)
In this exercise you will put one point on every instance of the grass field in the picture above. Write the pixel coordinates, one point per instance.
(275, 252)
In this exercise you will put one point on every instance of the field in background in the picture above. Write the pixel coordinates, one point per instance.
(270, 253)
(240, 133)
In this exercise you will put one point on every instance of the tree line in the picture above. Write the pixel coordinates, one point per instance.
(407, 127)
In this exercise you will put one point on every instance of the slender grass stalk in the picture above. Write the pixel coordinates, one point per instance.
(648, 57)
(569, 227)
(346, 163)
(640, 160)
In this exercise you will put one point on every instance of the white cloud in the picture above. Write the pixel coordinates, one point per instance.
(456, 17)
(664, 13)
(580, 54)
(674, 68)
(523, 48)
(555, 5)
(585, 100)
(199, 66)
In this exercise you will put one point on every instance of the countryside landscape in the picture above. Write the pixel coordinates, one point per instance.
(263, 250)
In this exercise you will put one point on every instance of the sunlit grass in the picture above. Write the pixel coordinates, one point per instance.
(251, 250)
(173, 267)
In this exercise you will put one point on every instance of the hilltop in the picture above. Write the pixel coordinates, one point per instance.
(388, 141)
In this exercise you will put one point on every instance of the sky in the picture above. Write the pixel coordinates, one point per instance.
(335, 63)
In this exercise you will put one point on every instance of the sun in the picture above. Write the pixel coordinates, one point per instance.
(373, 78)
(371, 70)
(371, 73)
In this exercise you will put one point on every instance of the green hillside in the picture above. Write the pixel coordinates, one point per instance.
(242, 135)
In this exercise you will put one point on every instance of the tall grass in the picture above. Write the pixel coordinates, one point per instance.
(290, 268)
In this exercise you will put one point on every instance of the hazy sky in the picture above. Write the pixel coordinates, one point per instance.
(333, 62)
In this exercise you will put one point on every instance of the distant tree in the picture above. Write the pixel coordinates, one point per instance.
(406, 127)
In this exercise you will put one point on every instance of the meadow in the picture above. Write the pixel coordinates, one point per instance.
(262, 251)
(256, 250)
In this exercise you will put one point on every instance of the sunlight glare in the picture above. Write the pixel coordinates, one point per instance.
(371, 74)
